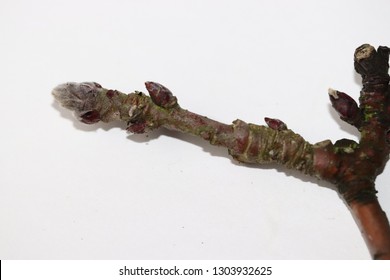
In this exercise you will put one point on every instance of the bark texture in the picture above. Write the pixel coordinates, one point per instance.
(351, 166)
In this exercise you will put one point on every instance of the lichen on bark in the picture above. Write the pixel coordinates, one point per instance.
(351, 166)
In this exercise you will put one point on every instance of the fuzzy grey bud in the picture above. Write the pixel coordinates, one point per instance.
(80, 98)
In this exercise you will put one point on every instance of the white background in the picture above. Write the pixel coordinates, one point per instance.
(72, 191)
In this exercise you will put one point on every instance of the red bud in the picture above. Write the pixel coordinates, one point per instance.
(345, 105)
(160, 95)
(275, 124)
(137, 127)
(90, 117)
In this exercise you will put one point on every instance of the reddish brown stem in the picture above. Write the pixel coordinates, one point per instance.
(374, 227)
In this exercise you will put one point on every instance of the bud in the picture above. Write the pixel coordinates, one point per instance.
(138, 127)
(345, 105)
(276, 124)
(90, 117)
(161, 96)
(78, 97)
(371, 62)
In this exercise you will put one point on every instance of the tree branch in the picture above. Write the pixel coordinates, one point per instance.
(351, 166)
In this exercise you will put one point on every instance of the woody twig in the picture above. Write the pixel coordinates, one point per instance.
(351, 166)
